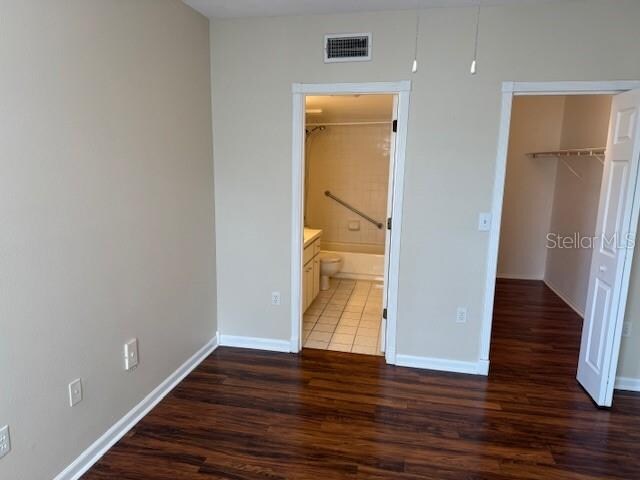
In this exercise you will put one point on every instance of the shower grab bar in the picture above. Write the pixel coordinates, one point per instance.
(353, 209)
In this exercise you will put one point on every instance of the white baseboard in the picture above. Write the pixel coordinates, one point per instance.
(564, 298)
(256, 343)
(481, 367)
(92, 454)
(627, 383)
(517, 276)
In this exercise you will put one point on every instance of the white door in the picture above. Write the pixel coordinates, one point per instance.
(612, 253)
(387, 238)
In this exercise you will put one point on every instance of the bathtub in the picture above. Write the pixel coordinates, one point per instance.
(358, 265)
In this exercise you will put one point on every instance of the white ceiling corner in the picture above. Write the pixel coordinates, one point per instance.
(269, 8)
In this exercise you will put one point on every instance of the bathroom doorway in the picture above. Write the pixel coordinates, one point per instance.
(349, 193)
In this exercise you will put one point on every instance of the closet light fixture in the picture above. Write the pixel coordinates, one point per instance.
(414, 66)
(475, 44)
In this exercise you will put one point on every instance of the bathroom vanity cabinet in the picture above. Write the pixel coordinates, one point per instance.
(311, 267)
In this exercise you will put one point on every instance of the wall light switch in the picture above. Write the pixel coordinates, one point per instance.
(626, 329)
(131, 354)
(484, 221)
(75, 392)
(5, 441)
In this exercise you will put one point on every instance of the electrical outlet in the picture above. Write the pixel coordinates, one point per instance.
(5, 441)
(75, 392)
(626, 329)
(131, 354)
(275, 298)
(461, 315)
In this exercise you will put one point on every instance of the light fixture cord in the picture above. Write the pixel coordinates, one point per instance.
(415, 47)
(475, 45)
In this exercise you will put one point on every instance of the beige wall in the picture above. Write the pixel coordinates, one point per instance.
(536, 125)
(575, 205)
(106, 197)
(353, 163)
(451, 149)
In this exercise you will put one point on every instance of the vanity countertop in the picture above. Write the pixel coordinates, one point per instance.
(310, 234)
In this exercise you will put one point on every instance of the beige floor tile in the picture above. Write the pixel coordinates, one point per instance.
(339, 347)
(321, 336)
(343, 338)
(369, 323)
(353, 308)
(333, 308)
(366, 332)
(316, 344)
(364, 349)
(328, 320)
(346, 314)
(349, 329)
(360, 340)
(331, 313)
(340, 296)
(324, 327)
(352, 322)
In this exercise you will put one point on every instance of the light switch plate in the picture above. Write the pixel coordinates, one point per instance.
(131, 354)
(75, 392)
(484, 222)
(5, 441)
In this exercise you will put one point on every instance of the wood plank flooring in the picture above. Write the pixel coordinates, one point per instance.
(249, 415)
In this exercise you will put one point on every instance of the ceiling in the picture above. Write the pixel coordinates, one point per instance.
(348, 108)
(267, 8)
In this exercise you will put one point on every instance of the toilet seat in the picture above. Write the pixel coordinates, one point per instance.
(330, 259)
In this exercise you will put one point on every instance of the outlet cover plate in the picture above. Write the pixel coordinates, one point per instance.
(275, 298)
(131, 354)
(5, 441)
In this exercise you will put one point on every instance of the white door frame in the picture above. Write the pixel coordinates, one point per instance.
(299, 90)
(509, 89)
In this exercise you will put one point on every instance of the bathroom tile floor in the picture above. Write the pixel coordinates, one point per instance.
(345, 318)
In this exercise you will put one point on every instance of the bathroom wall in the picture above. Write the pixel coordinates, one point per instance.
(575, 203)
(353, 163)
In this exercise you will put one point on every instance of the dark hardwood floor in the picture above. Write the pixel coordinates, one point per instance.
(327, 415)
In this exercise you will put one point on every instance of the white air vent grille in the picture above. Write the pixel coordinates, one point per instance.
(347, 47)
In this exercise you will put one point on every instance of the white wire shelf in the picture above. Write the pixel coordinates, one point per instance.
(563, 155)
(573, 152)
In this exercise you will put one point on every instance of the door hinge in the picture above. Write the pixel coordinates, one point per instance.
(389, 223)
(395, 126)
(384, 313)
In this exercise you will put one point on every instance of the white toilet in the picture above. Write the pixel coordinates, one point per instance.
(330, 264)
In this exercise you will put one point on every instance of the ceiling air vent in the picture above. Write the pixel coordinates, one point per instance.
(347, 47)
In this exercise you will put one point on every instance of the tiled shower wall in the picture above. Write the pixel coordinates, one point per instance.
(353, 163)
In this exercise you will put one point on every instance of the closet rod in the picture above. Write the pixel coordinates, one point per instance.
(341, 124)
